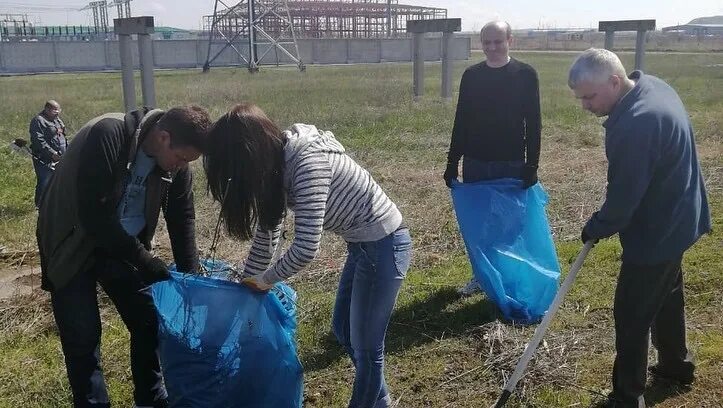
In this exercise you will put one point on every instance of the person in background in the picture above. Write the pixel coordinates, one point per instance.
(497, 125)
(47, 143)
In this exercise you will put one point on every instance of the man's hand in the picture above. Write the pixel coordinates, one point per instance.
(55, 157)
(585, 237)
(257, 284)
(451, 173)
(529, 176)
(156, 270)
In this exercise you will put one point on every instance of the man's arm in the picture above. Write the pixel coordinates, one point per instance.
(456, 144)
(312, 180)
(96, 202)
(181, 221)
(533, 119)
(457, 141)
(38, 144)
(631, 166)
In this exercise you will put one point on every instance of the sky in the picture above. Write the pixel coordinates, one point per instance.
(474, 13)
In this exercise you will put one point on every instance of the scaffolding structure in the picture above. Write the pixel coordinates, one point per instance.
(100, 14)
(331, 18)
(248, 17)
(123, 7)
(13, 25)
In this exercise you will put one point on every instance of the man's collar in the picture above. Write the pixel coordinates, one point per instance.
(625, 101)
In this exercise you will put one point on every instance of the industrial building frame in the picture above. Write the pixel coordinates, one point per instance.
(331, 19)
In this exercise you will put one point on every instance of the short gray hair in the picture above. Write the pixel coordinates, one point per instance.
(595, 65)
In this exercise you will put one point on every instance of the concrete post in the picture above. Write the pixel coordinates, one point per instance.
(639, 49)
(418, 57)
(148, 86)
(126, 60)
(447, 65)
(143, 27)
(609, 40)
(55, 56)
(418, 27)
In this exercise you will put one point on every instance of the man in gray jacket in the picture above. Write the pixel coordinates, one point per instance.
(48, 143)
(656, 202)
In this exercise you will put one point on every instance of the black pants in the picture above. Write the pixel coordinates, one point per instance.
(648, 301)
(75, 307)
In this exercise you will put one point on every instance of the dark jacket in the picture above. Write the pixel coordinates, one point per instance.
(655, 197)
(47, 138)
(78, 220)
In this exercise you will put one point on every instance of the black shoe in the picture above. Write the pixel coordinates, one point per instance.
(612, 402)
(682, 377)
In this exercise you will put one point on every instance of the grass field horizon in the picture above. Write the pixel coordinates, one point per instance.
(442, 351)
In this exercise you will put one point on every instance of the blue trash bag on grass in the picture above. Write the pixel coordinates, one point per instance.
(509, 244)
(223, 345)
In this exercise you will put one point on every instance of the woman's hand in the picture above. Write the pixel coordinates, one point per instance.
(257, 284)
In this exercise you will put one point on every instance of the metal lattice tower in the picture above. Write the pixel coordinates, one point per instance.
(123, 7)
(100, 14)
(248, 19)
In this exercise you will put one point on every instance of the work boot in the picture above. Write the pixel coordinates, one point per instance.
(683, 377)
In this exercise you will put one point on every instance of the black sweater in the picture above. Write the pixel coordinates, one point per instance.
(498, 114)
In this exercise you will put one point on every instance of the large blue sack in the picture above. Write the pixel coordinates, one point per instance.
(223, 345)
(509, 244)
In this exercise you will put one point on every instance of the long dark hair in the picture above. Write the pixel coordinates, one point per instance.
(245, 161)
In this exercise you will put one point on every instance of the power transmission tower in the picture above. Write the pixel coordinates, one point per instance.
(100, 14)
(123, 7)
(265, 24)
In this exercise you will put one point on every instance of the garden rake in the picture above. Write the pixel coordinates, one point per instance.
(540, 331)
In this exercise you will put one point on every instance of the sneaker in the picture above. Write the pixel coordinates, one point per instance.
(661, 373)
(470, 288)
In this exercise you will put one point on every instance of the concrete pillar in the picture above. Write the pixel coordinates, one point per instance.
(447, 65)
(609, 40)
(126, 60)
(418, 58)
(639, 49)
(148, 86)
(55, 56)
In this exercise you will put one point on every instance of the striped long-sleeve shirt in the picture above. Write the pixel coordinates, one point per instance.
(326, 190)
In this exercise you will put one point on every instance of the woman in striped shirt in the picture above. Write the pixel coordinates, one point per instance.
(262, 171)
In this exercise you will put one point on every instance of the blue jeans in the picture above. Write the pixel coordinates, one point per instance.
(373, 273)
(75, 307)
(474, 170)
(42, 173)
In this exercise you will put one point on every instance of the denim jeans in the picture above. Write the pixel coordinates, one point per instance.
(75, 307)
(373, 273)
(42, 174)
(474, 170)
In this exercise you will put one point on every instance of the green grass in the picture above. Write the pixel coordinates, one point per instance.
(442, 351)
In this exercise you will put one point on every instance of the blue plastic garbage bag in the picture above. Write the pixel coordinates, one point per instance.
(509, 244)
(223, 345)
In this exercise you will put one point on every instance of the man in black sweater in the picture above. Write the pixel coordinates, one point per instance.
(96, 221)
(497, 125)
